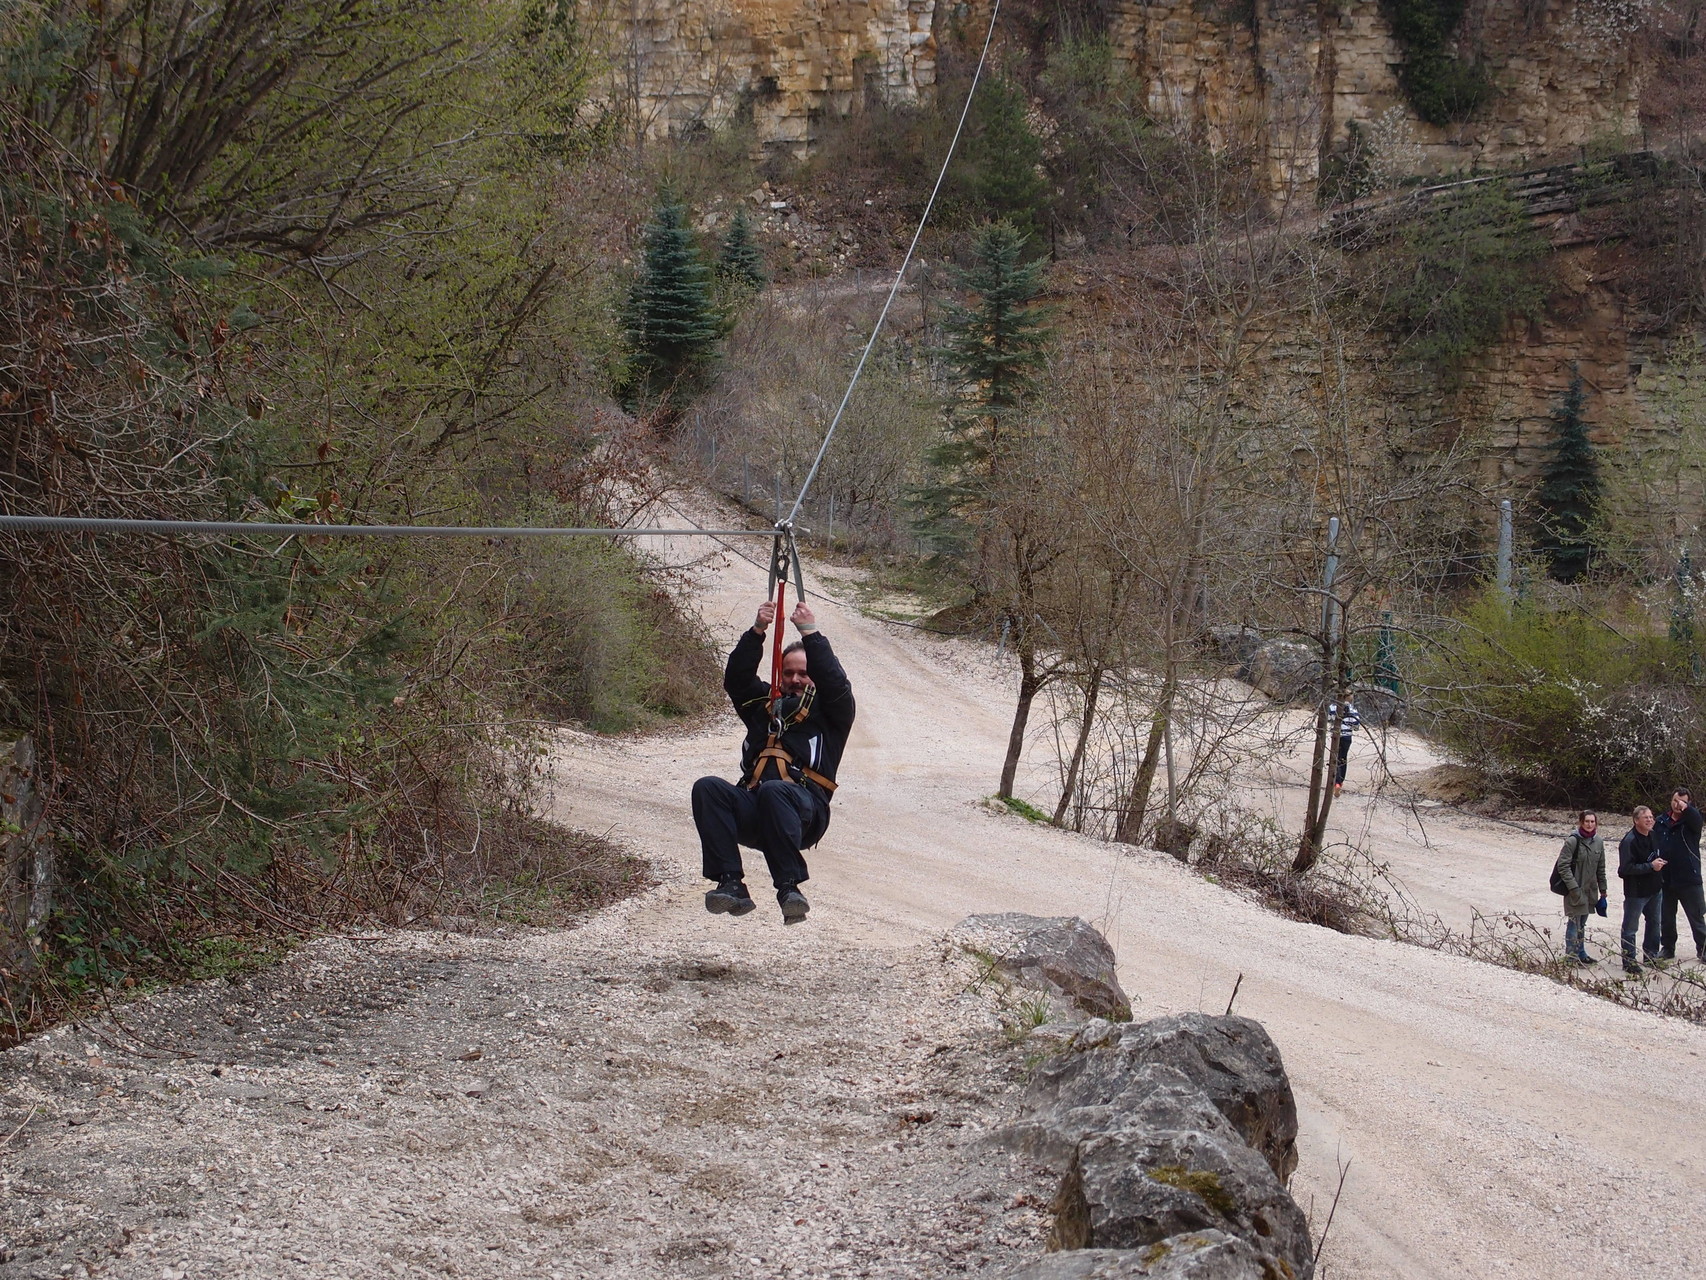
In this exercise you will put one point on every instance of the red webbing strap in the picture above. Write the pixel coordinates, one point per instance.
(776, 642)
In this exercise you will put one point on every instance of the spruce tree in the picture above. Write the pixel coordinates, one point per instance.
(994, 348)
(1005, 158)
(673, 328)
(742, 262)
(1570, 490)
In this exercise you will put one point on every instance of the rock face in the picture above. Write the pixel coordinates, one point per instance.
(1061, 956)
(1296, 75)
(1179, 1129)
(1300, 75)
(1193, 1255)
(683, 65)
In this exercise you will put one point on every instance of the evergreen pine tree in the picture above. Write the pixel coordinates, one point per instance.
(994, 347)
(1570, 490)
(1005, 158)
(742, 262)
(673, 328)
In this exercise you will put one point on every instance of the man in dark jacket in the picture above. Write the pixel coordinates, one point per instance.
(788, 761)
(1641, 867)
(1678, 834)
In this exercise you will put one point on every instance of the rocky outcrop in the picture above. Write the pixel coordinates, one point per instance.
(1061, 957)
(683, 65)
(1298, 77)
(1179, 1129)
(1294, 76)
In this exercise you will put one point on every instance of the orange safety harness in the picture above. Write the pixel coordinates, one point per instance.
(775, 757)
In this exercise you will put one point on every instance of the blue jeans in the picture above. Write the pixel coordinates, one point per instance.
(1576, 936)
(1636, 909)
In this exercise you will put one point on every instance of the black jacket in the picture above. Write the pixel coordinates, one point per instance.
(1679, 845)
(1635, 854)
(818, 740)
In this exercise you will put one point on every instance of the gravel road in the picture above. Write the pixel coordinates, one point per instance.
(662, 1092)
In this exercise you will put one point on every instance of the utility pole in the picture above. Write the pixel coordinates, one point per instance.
(1502, 567)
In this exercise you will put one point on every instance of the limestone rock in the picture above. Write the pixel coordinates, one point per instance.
(1191, 1255)
(1156, 1097)
(1232, 1060)
(1137, 1187)
(1288, 670)
(1060, 956)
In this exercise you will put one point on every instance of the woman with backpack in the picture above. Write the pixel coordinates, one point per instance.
(1579, 875)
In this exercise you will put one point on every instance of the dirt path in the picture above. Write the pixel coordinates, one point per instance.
(665, 1092)
(1481, 1111)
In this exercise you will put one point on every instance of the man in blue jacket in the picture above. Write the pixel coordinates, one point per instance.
(788, 761)
(1678, 834)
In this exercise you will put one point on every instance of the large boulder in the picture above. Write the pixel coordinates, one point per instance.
(1231, 1060)
(1156, 1096)
(1193, 1255)
(1060, 956)
(1233, 645)
(1287, 670)
(1137, 1187)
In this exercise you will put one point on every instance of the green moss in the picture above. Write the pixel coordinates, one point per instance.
(1203, 1183)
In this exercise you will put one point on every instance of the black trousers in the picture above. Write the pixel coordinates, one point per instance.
(779, 819)
(1692, 899)
(1344, 758)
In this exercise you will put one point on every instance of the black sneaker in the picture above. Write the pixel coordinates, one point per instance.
(730, 896)
(1632, 969)
(794, 904)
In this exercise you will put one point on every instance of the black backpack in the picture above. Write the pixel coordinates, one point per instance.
(1557, 881)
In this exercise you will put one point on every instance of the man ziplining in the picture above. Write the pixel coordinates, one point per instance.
(788, 760)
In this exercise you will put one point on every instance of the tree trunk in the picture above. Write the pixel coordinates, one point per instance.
(1092, 692)
(1333, 685)
(1029, 685)
(1130, 828)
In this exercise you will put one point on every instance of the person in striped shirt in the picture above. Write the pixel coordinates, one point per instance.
(1346, 717)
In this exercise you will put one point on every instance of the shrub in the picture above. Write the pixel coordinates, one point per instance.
(1558, 705)
(1441, 86)
(1458, 274)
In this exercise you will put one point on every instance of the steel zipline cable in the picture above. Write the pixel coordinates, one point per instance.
(783, 529)
(899, 276)
(242, 528)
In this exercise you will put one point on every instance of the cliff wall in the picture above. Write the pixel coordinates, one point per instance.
(1297, 76)
(682, 65)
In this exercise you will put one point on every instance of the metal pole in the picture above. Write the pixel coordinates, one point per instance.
(1502, 567)
(778, 497)
(1329, 614)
